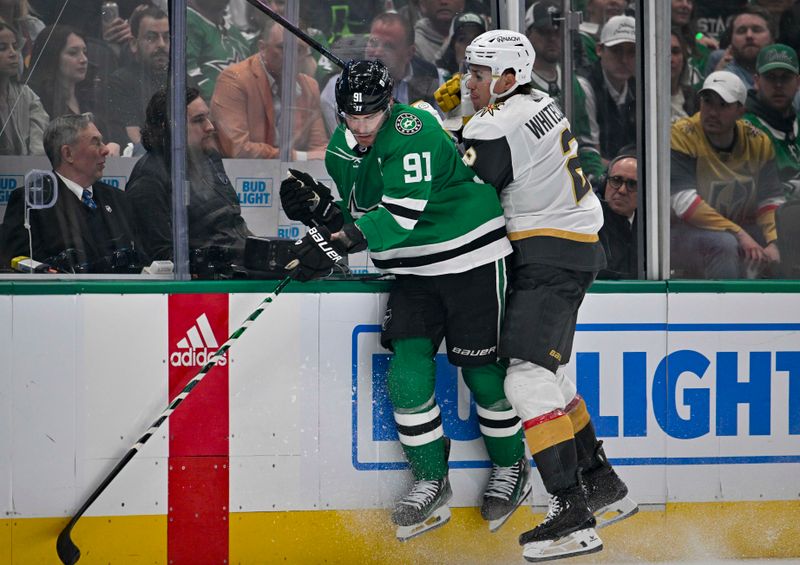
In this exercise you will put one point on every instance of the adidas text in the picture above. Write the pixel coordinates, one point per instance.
(194, 358)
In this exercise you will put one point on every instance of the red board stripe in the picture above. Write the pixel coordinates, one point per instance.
(197, 531)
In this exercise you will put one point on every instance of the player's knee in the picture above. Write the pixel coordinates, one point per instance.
(486, 384)
(532, 389)
(565, 384)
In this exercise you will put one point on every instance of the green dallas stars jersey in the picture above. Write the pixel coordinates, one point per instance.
(420, 207)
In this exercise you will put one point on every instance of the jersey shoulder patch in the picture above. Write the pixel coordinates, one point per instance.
(407, 123)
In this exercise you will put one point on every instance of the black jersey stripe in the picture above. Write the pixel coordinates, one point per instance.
(498, 424)
(396, 210)
(420, 429)
(406, 262)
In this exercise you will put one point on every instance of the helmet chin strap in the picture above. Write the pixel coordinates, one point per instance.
(493, 95)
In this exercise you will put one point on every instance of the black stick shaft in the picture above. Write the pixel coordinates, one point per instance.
(67, 551)
(260, 5)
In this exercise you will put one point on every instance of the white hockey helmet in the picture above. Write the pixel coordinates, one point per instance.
(502, 49)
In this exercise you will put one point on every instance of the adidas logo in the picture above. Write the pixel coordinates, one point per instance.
(197, 347)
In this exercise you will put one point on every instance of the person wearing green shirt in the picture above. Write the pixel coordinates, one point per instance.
(407, 196)
(769, 108)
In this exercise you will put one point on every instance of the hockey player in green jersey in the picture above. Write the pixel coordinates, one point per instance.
(407, 196)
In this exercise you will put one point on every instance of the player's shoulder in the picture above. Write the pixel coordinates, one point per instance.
(411, 121)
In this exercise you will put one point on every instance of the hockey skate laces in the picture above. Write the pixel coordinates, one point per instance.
(502, 481)
(421, 493)
(553, 509)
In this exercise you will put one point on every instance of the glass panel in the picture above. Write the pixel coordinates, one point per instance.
(734, 148)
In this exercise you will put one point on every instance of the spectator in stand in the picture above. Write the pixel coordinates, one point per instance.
(17, 14)
(88, 229)
(391, 40)
(247, 106)
(698, 45)
(131, 85)
(769, 108)
(214, 214)
(596, 14)
(464, 28)
(683, 99)
(609, 89)
(212, 43)
(725, 188)
(60, 75)
(751, 29)
(22, 116)
(618, 198)
(430, 32)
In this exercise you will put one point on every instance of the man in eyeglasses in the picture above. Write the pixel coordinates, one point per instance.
(618, 234)
(724, 188)
(131, 86)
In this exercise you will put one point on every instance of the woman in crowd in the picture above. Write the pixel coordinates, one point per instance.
(684, 102)
(22, 116)
(17, 14)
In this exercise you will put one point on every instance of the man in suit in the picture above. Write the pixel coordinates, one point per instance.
(88, 228)
(247, 107)
(618, 198)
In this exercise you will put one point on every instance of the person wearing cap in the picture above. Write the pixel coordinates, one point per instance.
(724, 188)
(463, 30)
(769, 108)
(596, 14)
(609, 89)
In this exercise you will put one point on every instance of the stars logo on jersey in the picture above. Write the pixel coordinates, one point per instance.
(490, 109)
(407, 124)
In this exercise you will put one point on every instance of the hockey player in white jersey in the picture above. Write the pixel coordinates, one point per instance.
(520, 141)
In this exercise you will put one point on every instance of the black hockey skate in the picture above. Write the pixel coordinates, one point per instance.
(606, 493)
(508, 488)
(567, 530)
(425, 507)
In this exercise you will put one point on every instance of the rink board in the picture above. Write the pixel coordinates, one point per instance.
(696, 396)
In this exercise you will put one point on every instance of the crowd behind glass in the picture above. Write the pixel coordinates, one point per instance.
(735, 154)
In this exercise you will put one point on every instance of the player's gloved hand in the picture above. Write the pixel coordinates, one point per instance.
(448, 96)
(306, 200)
(351, 238)
(314, 256)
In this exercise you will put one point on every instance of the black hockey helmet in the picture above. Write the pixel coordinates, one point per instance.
(364, 87)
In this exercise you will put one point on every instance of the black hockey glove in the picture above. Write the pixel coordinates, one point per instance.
(305, 200)
(314, 256)
(352, 238)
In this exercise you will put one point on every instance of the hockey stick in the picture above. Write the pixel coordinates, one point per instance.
(260, 5)
(67, 551)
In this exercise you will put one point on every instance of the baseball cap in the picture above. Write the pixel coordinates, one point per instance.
(619, 29)
(777, 56)
(465, 19)
(729, 86)
(540, 15)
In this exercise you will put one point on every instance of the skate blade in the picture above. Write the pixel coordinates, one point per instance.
(495, 525)
(615, 512)
(436, 520)
(581, 542)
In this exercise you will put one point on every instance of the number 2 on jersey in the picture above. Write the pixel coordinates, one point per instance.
(417, 169)
(580, 185)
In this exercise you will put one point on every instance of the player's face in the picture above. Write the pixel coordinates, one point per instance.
(618, 61)
(152, 43)
(478, 84)
(365, 127)
(750, 34)
(777, 88)
(619, 194)
(718, 117)
(200, 131)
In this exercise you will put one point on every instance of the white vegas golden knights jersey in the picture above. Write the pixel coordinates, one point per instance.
(524, 147)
